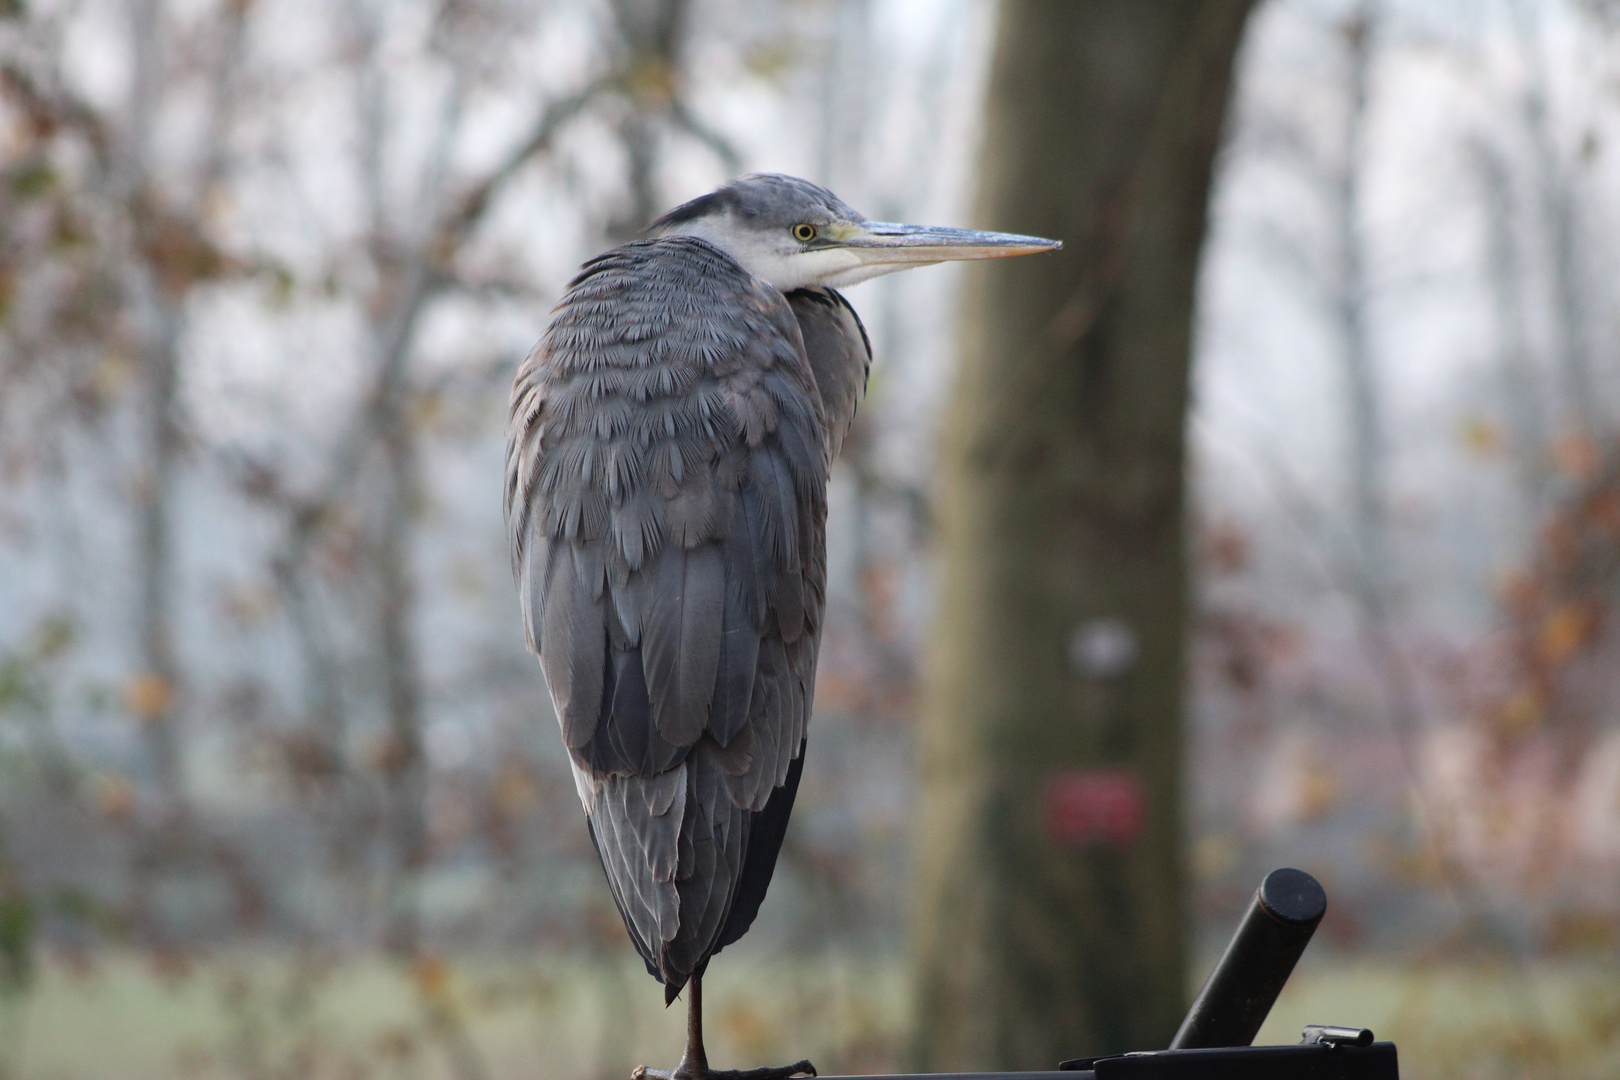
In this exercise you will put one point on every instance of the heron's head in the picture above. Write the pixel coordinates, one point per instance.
(795, 235)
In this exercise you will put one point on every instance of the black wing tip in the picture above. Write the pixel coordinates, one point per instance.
(767, 831)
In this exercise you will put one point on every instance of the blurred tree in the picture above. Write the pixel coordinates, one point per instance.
(1349, 298)
(1516, 368)
(122, 234)
(1051, 904)
(1561, 212)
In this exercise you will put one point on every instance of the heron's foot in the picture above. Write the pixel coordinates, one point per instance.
(768, 1072)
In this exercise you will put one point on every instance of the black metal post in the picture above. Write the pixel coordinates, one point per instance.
(1214, 1040)
(1239, 993)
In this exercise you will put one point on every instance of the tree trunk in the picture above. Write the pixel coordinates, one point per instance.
(1516, 371)
(154, 690)
(1583, 420)
(404, 767)
(158, 310)
(1051, 917)
(1369, 535)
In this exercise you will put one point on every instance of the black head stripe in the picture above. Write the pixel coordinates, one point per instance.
(715, 202)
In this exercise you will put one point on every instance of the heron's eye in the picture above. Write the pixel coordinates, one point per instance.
(804, 233)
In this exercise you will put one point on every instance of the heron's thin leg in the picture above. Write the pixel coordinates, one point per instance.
(695, 1062)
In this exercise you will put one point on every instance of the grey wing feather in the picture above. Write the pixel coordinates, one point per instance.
(682, 601)
(740, 629)
(772, 518)
(711, 860)
(573, 659)
(636, 824)
(666, 500)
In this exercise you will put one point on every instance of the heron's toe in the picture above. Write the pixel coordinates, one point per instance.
(769, 1072)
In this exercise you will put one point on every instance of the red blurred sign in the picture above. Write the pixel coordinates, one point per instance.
(1095, 807)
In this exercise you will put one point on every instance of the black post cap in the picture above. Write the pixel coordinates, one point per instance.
(1294, 897)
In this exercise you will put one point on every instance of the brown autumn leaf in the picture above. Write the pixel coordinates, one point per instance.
(148, 695)
(248, 605)
(1582, 933)
(1519, 592)
(1226, 549)
(169, 964)
(425, 412)
(392, 755)
(1480, 437)
(176, 248)
(1561, 540)
(1562, 632)
(1523, 712)
(514, 792)
(113, 373)
(114, 795)
(747, 1026)
(396, 1044)
(430, 974)
(1577, 457)
(1320, 793)
(651, 82)
(1603, 510)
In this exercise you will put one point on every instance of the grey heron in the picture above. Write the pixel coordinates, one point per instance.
(666, 499)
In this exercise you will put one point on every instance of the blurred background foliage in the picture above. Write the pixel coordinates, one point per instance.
(280, 793)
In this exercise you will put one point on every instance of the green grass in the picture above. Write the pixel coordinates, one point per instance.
(1480, 1019)
(255, 1017)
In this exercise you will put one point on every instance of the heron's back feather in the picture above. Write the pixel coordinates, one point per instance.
(666, 498)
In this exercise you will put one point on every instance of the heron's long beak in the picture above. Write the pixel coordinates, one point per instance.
(883, 243)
